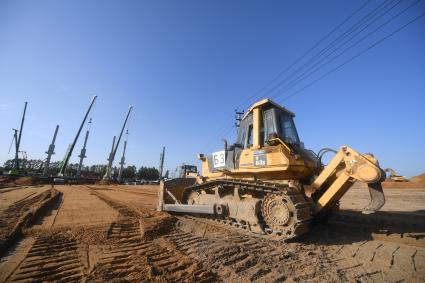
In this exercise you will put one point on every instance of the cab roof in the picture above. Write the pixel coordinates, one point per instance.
(265, 102)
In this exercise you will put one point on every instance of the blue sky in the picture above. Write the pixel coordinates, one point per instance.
(186, 65)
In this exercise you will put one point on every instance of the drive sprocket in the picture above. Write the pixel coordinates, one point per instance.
(279, 213)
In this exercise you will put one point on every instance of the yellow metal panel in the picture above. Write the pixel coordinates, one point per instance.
(334, 193)
(263, 103)
(256, 128)
(324, 175)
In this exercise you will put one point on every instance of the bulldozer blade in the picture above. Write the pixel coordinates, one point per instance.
(377, 198)
(171, 191)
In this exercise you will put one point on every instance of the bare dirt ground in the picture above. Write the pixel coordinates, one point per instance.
(411, 200)
(106, 233)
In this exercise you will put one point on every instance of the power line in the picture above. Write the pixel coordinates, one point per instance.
(308, 51)
(342, 36)
(368, 18)
(310, 72)
(357, 55)
(299, 59)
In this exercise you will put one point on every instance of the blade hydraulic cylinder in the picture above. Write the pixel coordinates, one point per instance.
(194, 208)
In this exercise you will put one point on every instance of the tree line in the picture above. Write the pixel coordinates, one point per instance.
(36, 166)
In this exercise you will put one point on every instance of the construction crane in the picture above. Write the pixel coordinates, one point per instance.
(107, 176)
(161, 162)
(122, 162)
(83, 151)
(17, 135)
(50, 152)
(68, 154)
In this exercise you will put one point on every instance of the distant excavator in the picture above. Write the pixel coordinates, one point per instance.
(260, 182)
(394, 176)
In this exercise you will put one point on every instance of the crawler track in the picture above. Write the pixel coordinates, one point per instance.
(300, 217)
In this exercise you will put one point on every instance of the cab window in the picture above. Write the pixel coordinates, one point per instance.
(249, 137)
(287, 129)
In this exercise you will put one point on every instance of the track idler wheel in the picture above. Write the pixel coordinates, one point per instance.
(279, 214)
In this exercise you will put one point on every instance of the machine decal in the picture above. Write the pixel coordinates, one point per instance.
(219, 159)
(260, 158)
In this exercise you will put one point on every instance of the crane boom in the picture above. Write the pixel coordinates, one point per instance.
(18, 138)
(107, 175)
(50, 152)
(71, 148)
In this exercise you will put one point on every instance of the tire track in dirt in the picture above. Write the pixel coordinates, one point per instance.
(328, 253)
(23, 213)
(235, 256)
(133, 257)
(51, 258)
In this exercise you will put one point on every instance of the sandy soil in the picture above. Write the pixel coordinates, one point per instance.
(80, 208)
(135, 196)
(8, 197)
(113, 233)
(407, 200)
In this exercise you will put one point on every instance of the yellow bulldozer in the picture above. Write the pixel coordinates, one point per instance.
(267, 182)
(394, 176)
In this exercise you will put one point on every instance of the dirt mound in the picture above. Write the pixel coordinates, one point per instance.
(418, 179)
(413, 183)
(26, 181)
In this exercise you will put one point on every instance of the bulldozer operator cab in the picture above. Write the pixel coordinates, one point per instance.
(274, 122)
(264, 128)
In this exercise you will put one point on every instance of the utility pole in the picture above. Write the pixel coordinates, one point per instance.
(161, 162)
(122, 159)
(238, 117)
(18, 138)
(50, 152)
(71, 148)
(83, 151)
(111, 158)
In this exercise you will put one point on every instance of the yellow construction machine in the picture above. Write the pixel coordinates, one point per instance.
(394, 176)
(267, 182)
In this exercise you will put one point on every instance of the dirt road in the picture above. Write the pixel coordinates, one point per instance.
(106, 233)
